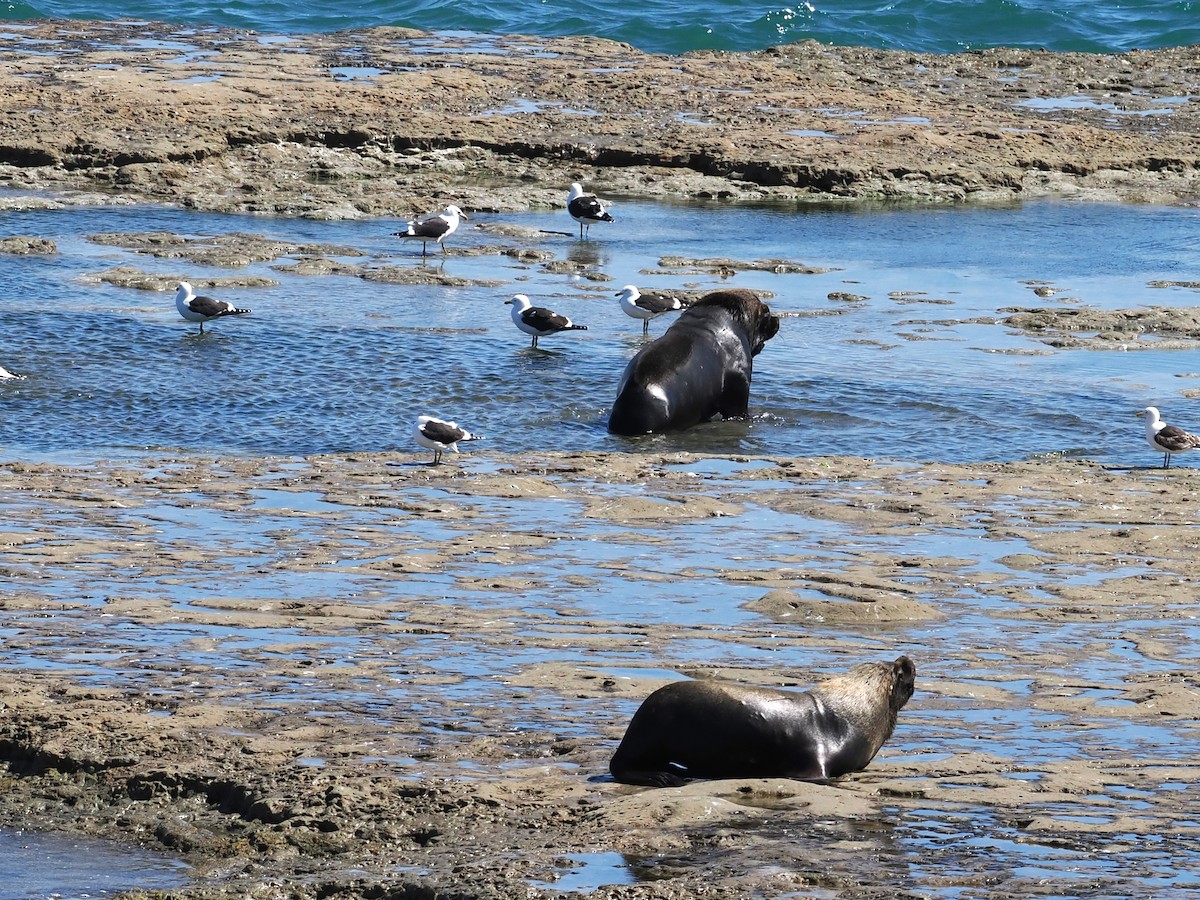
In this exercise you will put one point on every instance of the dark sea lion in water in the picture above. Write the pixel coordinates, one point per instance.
(714, 729)
(698, 369)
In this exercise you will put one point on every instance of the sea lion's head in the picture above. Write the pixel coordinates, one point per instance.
(870, 695)
(767, 329)
(755, 318)
(904, 679)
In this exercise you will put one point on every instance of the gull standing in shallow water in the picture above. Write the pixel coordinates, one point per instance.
(586, 208)
(434, 227)
(647, 306)
(203, 309)
(538, 321)
(1167, 439)
(438, 435)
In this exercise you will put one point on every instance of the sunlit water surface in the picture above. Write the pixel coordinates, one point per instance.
(335, 363)
(340, 364)
(35, 866)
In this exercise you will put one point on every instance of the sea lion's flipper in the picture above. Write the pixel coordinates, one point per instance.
(648, 772)
(816, 773)
(735, 396)
(649, 778)
(667, 779)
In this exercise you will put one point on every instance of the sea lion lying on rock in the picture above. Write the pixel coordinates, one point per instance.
(713, 729)
(699, 368)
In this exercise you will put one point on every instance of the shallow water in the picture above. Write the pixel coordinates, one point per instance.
(105, 601)
(334, 363)
(35, 865)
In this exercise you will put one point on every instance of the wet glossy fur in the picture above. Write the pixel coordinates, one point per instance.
(711, 729)
(700, 368)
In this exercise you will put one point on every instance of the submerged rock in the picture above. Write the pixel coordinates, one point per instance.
(28, 246)
(1155, 327)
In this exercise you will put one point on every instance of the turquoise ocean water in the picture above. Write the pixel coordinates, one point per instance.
(664, 26)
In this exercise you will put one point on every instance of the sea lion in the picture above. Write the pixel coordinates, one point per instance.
(699, 368)
(713, 729)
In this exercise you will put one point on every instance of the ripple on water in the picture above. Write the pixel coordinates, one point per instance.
(290, 382)
(38, 864)
(284, 381)
(946, 848)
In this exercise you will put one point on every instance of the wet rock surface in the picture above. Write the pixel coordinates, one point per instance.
(1158, 327)
(374, 684)
(223, 120)
(27, 246)
(417, 725)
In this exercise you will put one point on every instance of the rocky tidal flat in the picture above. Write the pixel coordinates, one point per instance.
(377, 122)
(354, 675)
(365, 676)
